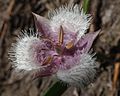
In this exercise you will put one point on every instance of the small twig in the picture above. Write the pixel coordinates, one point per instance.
(115, 77)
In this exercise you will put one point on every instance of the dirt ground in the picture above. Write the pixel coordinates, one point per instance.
(15, 15)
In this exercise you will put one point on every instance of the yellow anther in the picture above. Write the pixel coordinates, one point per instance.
(61, 36)
(69, 45)
(47, 60)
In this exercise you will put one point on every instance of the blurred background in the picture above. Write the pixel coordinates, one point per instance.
(15, 15)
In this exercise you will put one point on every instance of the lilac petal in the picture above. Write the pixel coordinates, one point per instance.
(43, 73)
(42, 25)
(85, 43)
(46, 71)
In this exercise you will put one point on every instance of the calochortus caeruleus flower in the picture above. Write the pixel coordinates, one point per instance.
(59, 48)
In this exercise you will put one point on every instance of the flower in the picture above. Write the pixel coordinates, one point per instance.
(60, 47)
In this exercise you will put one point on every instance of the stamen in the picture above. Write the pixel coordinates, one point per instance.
(61, 36)
(69, 45)
(47, 60)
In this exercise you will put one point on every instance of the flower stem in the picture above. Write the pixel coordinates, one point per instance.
(56, 90)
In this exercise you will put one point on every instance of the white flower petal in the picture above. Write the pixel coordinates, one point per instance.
(22, 53)
(70, 17)
(82, 74)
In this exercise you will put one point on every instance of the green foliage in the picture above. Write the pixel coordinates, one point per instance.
(86, 5)
(56, 90)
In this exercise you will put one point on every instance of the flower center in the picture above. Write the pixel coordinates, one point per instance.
(59, 48)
